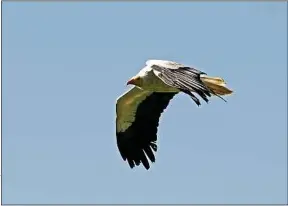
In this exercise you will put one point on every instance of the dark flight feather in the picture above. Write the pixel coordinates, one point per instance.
(185, 79)
(140, 138)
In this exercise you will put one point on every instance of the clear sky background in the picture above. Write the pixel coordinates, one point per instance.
(64, 65)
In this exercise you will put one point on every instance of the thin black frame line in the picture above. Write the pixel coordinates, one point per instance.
(138, 204)
(137, 2)
(1, 106)
(143, 1)
(287, 103)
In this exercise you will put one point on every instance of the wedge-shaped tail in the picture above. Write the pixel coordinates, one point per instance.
(216, 84)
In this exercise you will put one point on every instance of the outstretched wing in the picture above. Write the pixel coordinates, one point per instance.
(184, 78)
(138, 113)
(171, 65)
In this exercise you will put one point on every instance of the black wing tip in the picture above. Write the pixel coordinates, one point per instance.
(223, 99)
(135, 152)
(138, 157)
(137, 143)
(193, 97)
(132, 167)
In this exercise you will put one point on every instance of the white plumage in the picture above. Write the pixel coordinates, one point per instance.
(139, 109)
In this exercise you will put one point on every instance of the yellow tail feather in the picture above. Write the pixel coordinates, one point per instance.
(217, 85)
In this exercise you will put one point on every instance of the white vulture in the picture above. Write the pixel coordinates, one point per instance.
(139, 109)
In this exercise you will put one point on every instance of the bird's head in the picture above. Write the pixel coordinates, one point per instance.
(136, 80)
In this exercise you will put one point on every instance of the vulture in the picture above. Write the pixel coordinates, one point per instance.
(139, 109)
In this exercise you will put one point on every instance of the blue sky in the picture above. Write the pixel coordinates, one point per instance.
(64, 65)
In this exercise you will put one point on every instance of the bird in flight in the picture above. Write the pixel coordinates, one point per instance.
(139, 109)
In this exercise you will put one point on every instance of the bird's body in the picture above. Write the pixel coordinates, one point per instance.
(151, 82)
(139, 109)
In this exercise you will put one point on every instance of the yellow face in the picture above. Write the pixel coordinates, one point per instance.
(135, 81)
